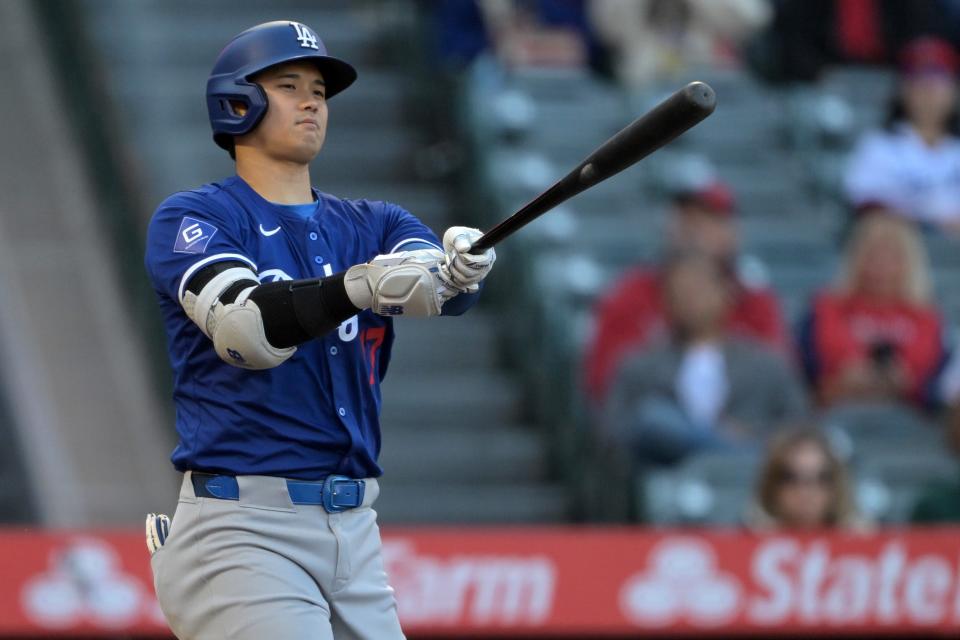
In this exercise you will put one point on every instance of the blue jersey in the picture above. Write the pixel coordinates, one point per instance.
(318, 412)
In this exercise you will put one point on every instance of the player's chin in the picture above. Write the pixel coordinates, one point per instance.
(306, 148)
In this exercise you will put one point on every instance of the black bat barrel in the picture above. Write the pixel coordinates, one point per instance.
(681, 111)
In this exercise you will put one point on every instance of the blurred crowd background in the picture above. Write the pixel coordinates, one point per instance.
(754, 327)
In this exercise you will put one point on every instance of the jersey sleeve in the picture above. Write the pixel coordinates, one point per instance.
(402, 231)
(188, 233)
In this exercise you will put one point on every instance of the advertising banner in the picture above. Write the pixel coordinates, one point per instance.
(545, 581)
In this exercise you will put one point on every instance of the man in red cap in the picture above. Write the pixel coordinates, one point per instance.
(631, 312)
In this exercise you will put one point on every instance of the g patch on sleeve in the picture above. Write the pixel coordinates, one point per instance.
(194, 236)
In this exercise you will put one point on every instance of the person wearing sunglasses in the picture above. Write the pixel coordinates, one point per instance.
(803, 485)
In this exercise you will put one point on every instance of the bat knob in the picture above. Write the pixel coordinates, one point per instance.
(701, 95)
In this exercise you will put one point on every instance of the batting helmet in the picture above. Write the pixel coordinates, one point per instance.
(252, 51)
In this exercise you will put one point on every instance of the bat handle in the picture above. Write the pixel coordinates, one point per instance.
(482, 244)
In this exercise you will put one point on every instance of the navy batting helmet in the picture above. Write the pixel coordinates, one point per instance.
(252, 51)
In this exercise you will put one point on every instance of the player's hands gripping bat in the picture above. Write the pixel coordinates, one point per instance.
(464, 270)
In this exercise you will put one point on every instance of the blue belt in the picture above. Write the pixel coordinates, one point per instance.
(334, 493)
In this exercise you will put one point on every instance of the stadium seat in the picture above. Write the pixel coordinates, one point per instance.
(708, 488)
(874, 428)
(897, 477)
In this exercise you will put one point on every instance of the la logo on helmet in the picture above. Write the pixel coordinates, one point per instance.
(307, 38)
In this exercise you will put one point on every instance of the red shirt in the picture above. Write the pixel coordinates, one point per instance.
(846, 328)
(631, 312)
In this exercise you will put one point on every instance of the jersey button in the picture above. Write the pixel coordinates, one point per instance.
(313, 236)
(342, 411)
(318, 259)
(333, 351)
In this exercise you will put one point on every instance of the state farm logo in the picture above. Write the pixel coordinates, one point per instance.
(789, 581)
(486, 589)
(84, 582)
(682, 582)
(814, 584)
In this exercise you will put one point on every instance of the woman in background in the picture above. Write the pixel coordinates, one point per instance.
(803, 485)
(913, 164)
(876, 335)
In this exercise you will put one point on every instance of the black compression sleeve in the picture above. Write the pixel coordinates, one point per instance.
(293, 311)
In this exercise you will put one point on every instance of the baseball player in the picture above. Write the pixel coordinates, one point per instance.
(278, 302)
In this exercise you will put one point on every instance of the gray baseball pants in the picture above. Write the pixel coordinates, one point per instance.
(263, 568)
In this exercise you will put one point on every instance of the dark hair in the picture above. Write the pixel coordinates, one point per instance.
(897, 112)
(842, 509)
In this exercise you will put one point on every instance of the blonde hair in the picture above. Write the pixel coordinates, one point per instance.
(842, 510)
(918, 286)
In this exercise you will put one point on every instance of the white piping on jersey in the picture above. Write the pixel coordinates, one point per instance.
(403, 242)
(197, 265)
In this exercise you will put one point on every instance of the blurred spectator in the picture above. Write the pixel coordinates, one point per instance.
(805, 36)
(631, 311)
(945, 391)
(913, 165)
(519, 32)
(650, 39)
(875, 335)
(699, 387)
(940, 502)
(803, 485)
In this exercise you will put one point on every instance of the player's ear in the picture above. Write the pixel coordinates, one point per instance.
(239, 108)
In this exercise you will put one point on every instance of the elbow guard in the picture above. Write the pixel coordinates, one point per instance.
(239, 337)
(234, 323)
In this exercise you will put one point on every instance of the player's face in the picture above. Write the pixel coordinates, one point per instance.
(295, 124)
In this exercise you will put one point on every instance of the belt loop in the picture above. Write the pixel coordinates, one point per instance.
(186, 488)
(371, 492)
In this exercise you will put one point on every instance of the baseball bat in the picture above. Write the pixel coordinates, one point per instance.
(681, 111)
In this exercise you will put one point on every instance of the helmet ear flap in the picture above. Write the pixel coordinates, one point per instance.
(222, 93)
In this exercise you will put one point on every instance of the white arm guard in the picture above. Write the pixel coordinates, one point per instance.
(236, 328)
(404, 283)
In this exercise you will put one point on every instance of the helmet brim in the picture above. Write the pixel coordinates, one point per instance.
(337, 74)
